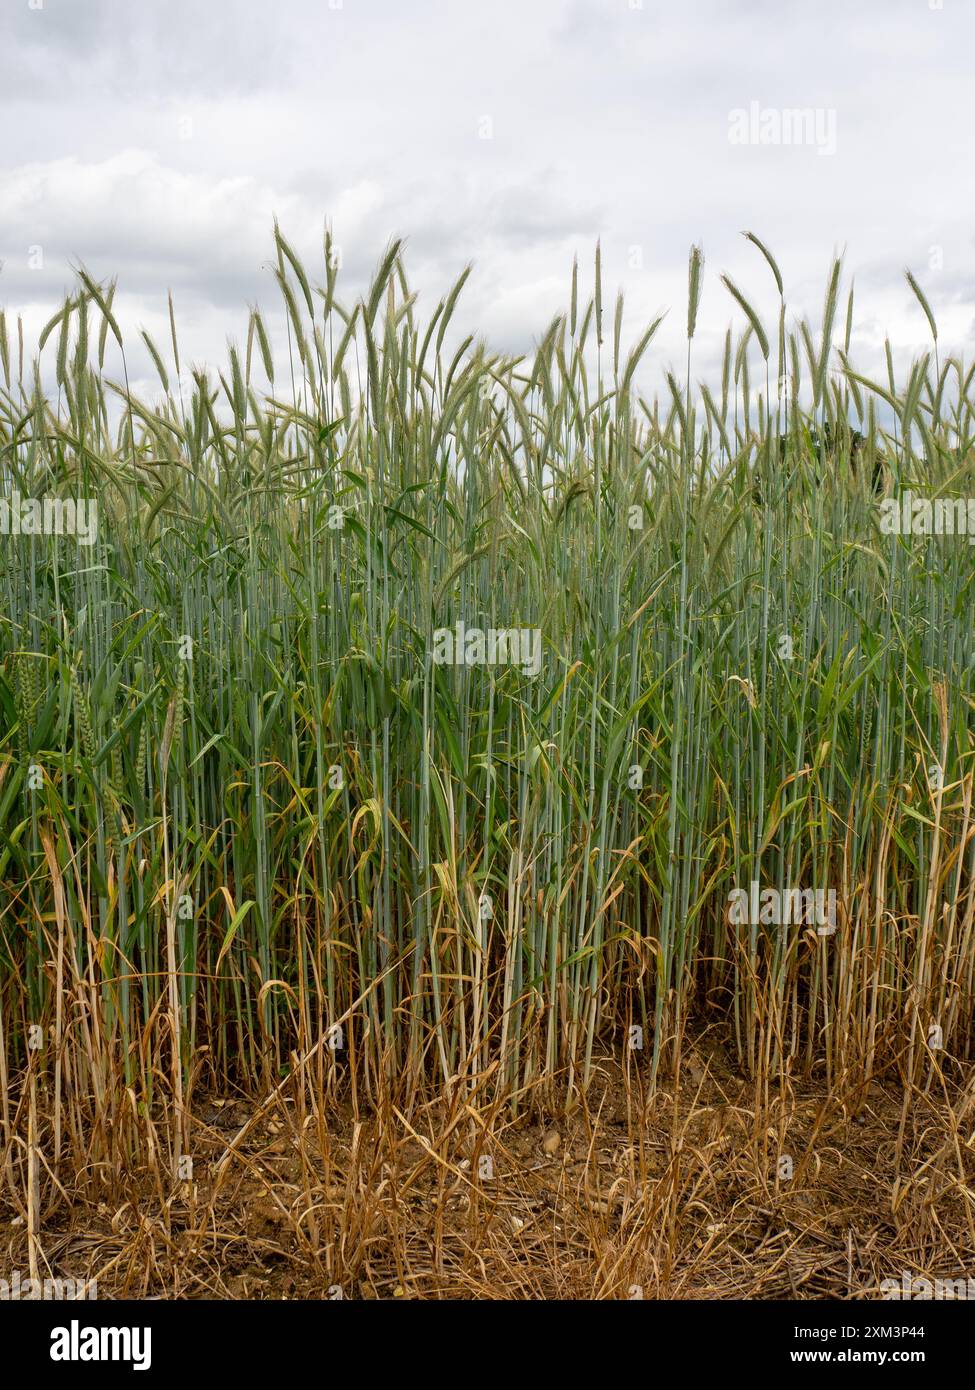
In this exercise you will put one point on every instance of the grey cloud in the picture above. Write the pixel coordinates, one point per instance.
(609, 122)
(79, 48)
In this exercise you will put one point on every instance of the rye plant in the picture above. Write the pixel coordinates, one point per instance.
(246, 818)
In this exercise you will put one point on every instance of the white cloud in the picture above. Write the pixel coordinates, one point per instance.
(606, 121)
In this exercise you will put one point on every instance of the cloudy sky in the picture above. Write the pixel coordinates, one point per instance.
(157, 140)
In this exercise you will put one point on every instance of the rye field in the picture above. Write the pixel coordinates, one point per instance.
(469, 828)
